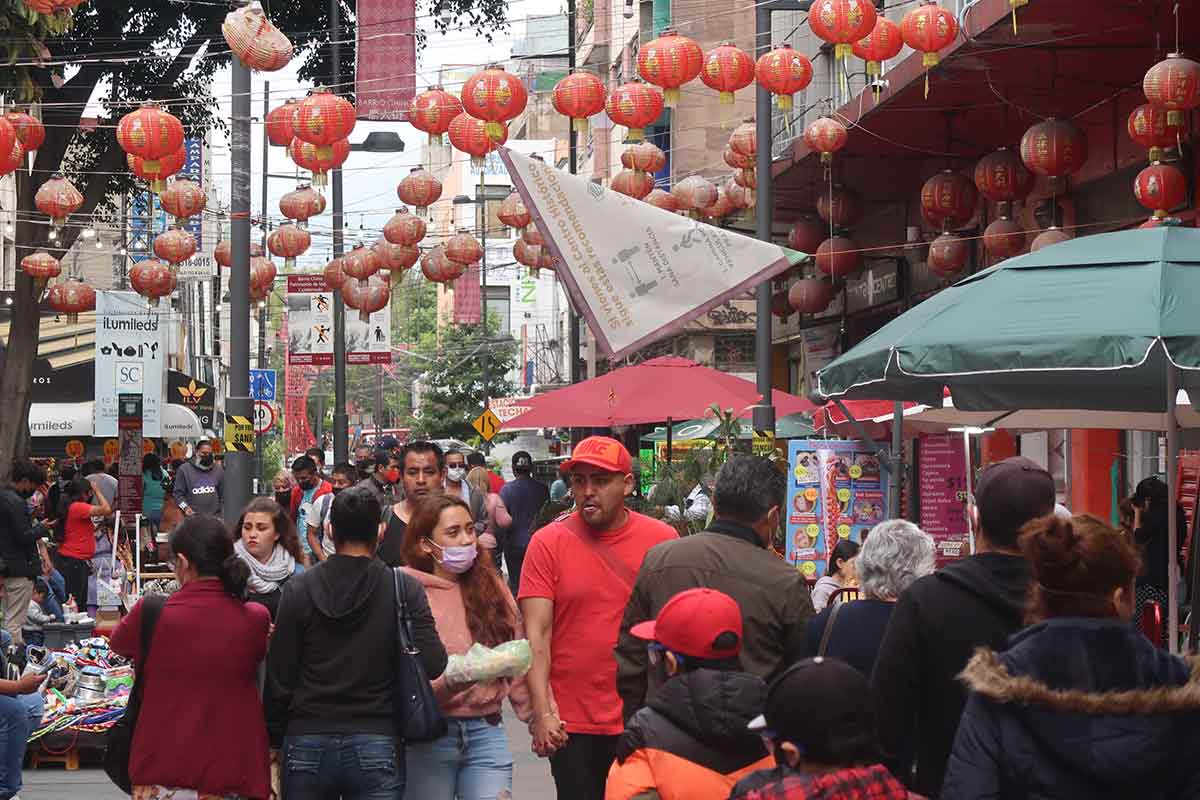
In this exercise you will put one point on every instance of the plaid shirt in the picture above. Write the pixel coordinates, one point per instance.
(856, 783)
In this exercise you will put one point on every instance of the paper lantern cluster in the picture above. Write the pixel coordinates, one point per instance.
(253, 39)
(152, 279)
(58, 199)
(579, 96)
(151, 135)
(431, 112)
(494, 97)
(71, 297)
(301, 204)
(1172, 87)
(669, 62)
(420, 190)
(289, 242)
(20, 134)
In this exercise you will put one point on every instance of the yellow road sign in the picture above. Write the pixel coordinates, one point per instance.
(239, 434)
(488, 424)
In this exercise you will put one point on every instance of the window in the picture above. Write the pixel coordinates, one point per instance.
(499, 308)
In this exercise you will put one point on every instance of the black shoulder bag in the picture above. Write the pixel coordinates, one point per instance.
(418, 717)
(118, 744)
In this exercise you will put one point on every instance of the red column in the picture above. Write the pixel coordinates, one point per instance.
(1094, 453)
(997, 446)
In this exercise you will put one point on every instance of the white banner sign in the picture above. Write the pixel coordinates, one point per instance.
(637, 272)
(130, 359)
(200, 267)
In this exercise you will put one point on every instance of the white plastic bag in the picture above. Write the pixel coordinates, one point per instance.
(482, 664)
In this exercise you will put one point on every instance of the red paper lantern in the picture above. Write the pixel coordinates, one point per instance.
(1160, 187)
(464, 249)
(669, 62)
(632, 183)
(439, 269)
(838, 207)
(183, 198)
(302, 203)
(431, 112)
(721, 208)
(289, 242)
(780, 306)
(929, 28)
(470, 135)
(746, 178)
(1054, 148)
(420, 190)
(694, 193)
(948, 199)
(1173, 84)
(884, 42)
(526, 254)
(58, 199)
(948, 255)
(396, 257)
(810, 295)
(842, 23)
(783, 72)
(1051, 236)
(319, 159)
(71, 297)
(152, 279)
(175, 246)
(726, 69)
(334, 277)
(532, 236)
(806, 236)
(579, 95)
(367, 297)
(643, 157)
(167, 166)
(736, 160)
(825, 136)
(662, 199)
(262, 272)
(495, 97)
(512, 212)
(30, 131)
(1004, 238)
(150, 134)
(1002, 178)
(634, 105)
(404, 228)
(323, 119)
(740, 196)
(838, 256)
(41, 267)
(1149, 126)
(8, 141)
(360, 263)
(223, 253)
(12, 158)
(280, 123)
(253, 39)
(744, 140)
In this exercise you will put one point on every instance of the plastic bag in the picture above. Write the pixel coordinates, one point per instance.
(482, 664)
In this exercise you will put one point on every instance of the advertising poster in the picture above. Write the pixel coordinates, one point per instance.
(837, 490)
(130, 359)
(129, 461)
(310, 327)
(942, 487)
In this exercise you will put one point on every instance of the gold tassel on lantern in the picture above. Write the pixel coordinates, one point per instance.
(1014, 5)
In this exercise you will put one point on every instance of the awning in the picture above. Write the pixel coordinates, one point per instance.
(180, 423)
(76, 420)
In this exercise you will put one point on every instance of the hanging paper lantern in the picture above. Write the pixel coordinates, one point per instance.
(806, 236)
(71, 297)
(669, 62)
(323, 119)
(810, 295)
(662, 199)
(395, 258)
(495, 97)
(167, 166)
(694, 193)
(838, 207)
(948, 199)
(737, 160)
(404, 228)
(726, 69)
(334, 277)
(1173, 84)
(644, 157)
(150, 134)
(526, 255)
(632, 183)
(883, 43)
(289, 242)
(948, 254)
(281, 121)
(223, 253)
(8, 141)
(1051, 236)
(262, 272)
(842, 23)
(783, 72)
(152, 279)
(470, 135)
(513, 213)
(30, 131)
(302, 203)
(319, 159)
(360, 263)
(546, 259)
(175, 246)
(12, 158)
(439, 269)
(838, 256)
(1001, 177)
(253, 39)
(780, 306)
(1054, 148)
(367, 297)
(740, 196)
(927, 29)
(579, 96)
(464, 248)
(41, 267)
(746, 178)
(58, 199)
(744, 140)
(1160, 187)
(1149, 126)
(721, 208)
(532, 236)
(431, 112)
(183, 198)
(825, 136)
(1004, 238)
(634, 105)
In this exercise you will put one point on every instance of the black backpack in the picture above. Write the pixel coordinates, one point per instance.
(118, 743)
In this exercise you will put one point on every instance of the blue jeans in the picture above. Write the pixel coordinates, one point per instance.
(352, 767)
(18, 717)
(471, 762)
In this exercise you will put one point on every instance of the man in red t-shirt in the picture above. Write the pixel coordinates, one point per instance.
(575, 583)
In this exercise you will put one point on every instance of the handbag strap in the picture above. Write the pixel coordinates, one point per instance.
(828, 629)
(602, 551)
(403, 623)
(152, 607)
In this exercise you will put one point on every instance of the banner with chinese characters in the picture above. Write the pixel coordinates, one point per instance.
(386, 62)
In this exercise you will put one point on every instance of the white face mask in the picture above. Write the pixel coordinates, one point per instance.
(456, 474)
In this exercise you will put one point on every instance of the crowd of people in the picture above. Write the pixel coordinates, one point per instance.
(695, 667)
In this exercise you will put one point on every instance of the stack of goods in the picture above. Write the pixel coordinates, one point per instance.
(86, 690)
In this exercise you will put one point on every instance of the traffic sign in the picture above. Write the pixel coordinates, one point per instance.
(488, 424)
(262, 384)
(239, 434)
(264, 416)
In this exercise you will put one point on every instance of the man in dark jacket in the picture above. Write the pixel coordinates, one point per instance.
(731, 557)
(524, 497)
(941, 619)
(18, 545)
(333, 668)
(692, 740)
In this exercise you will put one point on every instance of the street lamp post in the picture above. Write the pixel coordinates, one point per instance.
(341, 422)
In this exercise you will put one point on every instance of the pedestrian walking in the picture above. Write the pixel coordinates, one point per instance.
(691, 742)
(423, 475)
(201, 724)
(731, 557)
(19, 536)
(839, 573)
(199, 486)
(895, 554)
(940, 620)
(523, 497)
(578, 574)
(310, 487)
(1150, 530)
(81, 502)
(383, 478)
(333, 666)
(319, 537)
(495, 482)
(154, 492)
(471, 605)
(267, 542)
(496, 516)
(1080, 704)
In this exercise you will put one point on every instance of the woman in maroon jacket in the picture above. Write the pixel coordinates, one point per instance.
(201, 726)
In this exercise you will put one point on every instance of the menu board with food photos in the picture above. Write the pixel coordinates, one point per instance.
(836, 490)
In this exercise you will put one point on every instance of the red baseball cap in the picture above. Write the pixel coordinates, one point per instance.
(600, 451)
(702, 623)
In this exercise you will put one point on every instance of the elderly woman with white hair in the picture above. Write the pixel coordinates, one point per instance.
(894, 554)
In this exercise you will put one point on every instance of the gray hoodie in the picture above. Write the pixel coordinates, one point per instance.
(199, 488)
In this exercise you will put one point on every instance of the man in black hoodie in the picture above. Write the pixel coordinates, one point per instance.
(939, 621)
(332, 666)
(18, 544)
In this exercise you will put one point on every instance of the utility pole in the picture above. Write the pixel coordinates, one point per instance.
(483, 289)
(573, 167)
(341, 422)
(262, 311)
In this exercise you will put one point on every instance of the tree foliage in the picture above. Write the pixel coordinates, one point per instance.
(453, 384)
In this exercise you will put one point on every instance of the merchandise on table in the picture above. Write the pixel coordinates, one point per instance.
(87, 686)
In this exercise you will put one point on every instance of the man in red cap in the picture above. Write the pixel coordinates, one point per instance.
(575, 582)
(692, 740)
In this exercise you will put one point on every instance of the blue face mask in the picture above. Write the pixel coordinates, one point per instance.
(456, 559)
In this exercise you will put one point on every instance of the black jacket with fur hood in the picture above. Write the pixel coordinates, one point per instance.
(1078, 708)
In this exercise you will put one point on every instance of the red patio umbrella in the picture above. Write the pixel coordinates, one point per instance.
(661, 388)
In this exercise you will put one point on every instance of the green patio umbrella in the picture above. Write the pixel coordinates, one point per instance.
(793, 426)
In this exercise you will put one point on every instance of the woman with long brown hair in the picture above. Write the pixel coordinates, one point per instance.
(266, 539)
(471, 604)
(1081, 704)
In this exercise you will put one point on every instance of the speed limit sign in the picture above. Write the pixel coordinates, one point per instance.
(264, 416)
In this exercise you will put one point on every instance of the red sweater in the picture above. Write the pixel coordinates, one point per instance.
(201, 725)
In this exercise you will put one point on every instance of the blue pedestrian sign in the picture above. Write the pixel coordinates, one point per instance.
(262, 385)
